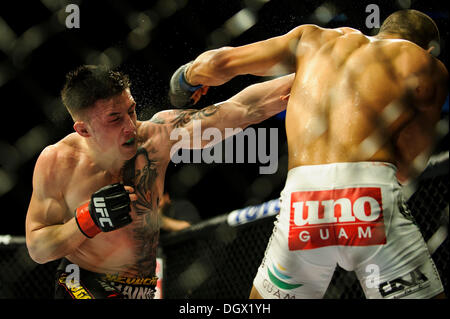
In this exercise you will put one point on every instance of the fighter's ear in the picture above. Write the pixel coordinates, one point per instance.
(81, 128)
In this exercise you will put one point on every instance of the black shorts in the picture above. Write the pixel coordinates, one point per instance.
(92, 285)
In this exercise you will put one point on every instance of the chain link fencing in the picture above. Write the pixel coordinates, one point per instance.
(212, 259)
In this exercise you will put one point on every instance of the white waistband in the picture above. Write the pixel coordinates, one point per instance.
(341, 174)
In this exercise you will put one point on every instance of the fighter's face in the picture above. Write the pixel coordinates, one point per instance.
(112, 125)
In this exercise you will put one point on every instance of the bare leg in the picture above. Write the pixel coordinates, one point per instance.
(254, 294)
(440, 296)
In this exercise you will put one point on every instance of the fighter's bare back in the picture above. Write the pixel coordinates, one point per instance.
(357, 98)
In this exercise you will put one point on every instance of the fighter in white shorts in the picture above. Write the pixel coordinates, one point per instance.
(351, 215)
(361, 112)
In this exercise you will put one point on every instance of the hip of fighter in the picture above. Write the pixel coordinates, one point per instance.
(113, 253)
(337, 200)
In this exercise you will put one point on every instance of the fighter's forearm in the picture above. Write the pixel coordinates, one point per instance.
(211, 68)
(53, 242)
(271, 57)
(264, 100)
(252, 105)
(216, 67)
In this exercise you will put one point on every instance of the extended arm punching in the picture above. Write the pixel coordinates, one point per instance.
(250, 106)
(274, 56)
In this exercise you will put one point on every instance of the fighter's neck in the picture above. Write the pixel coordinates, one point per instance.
(111, 165)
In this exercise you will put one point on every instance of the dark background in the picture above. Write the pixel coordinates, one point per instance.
(37, 50)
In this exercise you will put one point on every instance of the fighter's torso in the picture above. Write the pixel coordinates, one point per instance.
(344, 84)
(131, 250)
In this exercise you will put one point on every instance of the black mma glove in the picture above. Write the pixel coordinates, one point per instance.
(181, 91)
(108, 209)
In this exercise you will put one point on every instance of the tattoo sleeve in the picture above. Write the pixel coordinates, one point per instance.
(183, 117)
(157, 120)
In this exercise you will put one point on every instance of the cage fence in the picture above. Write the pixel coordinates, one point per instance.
(218, 258)
(212, 259)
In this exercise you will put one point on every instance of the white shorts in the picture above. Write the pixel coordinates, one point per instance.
(352, 215)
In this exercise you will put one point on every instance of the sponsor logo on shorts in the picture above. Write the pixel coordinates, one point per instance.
(279, 278)
(75, 288)
(275, 292)
(135, 292)
(133, 288)
(141, 281)
(405, 285)
(339, 217)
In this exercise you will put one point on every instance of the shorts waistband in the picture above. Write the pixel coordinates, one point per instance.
(341, 174)
(132, 281)
(149, 281)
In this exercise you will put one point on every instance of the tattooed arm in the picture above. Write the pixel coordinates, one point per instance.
(250, 106)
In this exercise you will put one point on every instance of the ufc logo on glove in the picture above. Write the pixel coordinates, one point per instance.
(108, 210)
(100, 208)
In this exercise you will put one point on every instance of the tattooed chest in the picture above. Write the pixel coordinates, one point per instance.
(140, 172)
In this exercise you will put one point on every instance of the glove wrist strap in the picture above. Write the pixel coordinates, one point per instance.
(85, 222)
(184, 84)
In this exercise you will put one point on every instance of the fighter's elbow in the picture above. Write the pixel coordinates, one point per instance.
(213, 68)
(38, 260)
(221, 60)
(35, 249)
(35, 255)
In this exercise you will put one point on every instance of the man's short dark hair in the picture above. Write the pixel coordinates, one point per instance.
(89, 83)
(412, 25)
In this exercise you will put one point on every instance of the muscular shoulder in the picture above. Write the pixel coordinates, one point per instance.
(410, 58)
(305, 29)
(180, 117)
(55, 165)
(348, 30)
(154, 134)
(318, 36)
(412, 62)
(423, 76)
(163, 117)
